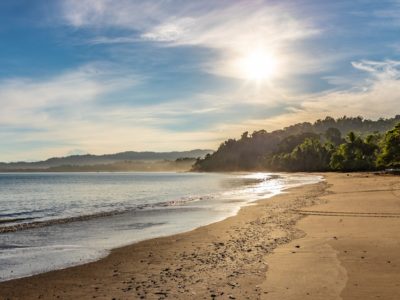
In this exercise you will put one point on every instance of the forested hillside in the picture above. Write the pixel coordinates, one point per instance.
(331, 144)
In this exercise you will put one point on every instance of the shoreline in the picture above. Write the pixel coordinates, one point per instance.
(299, 244)
(9, 286)
(232, 208)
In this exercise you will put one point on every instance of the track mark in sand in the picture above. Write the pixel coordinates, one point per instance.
(346, 214)
(370, 191)
(395, 190)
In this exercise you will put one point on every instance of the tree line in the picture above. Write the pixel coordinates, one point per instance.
(344, 144)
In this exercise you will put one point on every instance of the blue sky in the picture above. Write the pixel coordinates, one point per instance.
(102, 76)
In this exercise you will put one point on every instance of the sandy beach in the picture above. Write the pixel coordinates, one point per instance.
(338, 239)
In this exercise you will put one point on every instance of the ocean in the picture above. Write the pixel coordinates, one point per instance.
(51, 221)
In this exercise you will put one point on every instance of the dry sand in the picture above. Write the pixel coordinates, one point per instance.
(334, 240)
(352, 245)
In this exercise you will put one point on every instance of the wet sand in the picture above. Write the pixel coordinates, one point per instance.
(330, 240)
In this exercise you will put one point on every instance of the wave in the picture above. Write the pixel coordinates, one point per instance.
(13, 222)
(25, 224)
(21, 213)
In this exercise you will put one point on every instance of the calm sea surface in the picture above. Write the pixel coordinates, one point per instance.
(54, 220)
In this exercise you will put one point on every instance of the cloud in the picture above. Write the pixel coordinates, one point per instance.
(74, 88)
(214, 25)
(173, 31)
(235, 26)
(40, 111)
(388, 69)
(113, 40)
(232, 29)
(377, 97)
(126, 14)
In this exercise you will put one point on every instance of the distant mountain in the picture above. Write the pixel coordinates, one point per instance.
(106, 159)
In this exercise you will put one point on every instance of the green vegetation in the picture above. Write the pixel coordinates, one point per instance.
(367, 145)
(390, 149)
(356, 153)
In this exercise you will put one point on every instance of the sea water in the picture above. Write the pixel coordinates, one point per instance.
(51, 221)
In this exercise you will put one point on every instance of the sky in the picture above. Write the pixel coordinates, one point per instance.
(104, 76)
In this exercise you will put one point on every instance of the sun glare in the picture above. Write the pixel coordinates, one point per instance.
(258, 65)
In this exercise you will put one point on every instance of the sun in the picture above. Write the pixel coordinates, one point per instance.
(258, 65)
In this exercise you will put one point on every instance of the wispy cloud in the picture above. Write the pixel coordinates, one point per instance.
(388, 69)
(232, 28)
(108, 13)
(173, 31)
(209, 23)
(44, 109)
(378, 96)
(69, 89)
(113, 40)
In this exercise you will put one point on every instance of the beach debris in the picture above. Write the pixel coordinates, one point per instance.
(233, 284)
